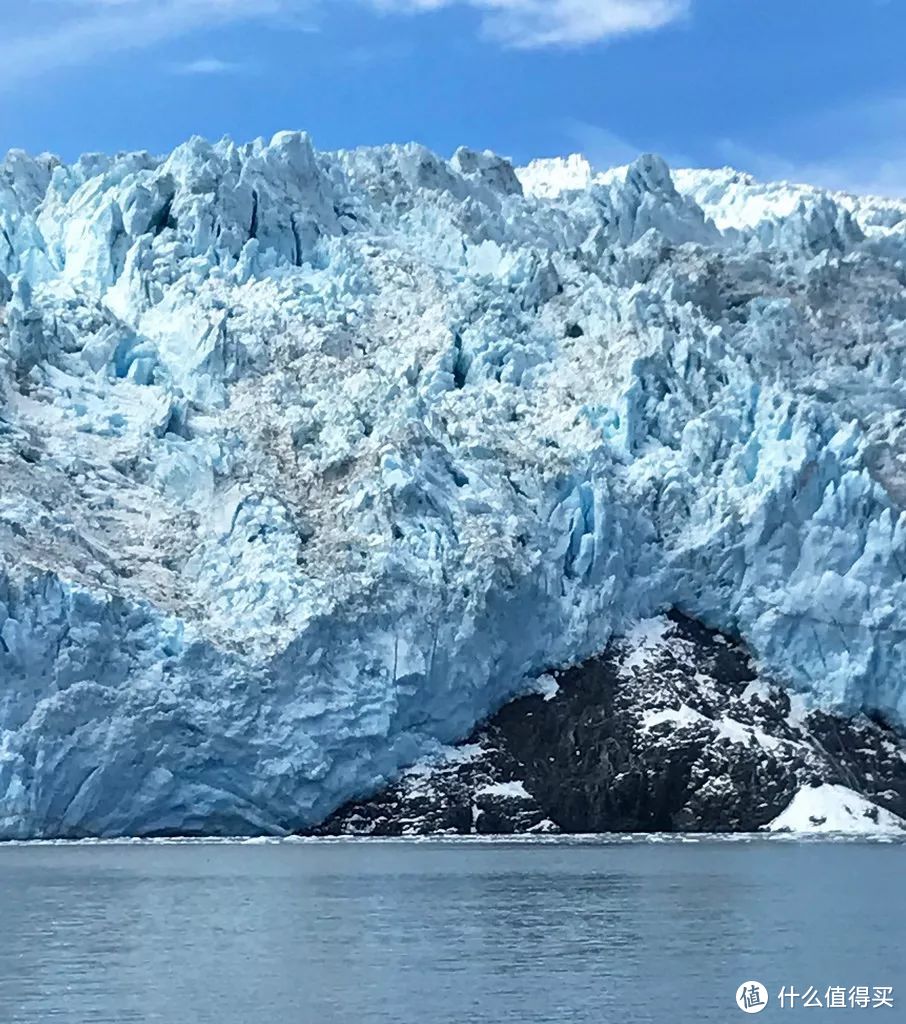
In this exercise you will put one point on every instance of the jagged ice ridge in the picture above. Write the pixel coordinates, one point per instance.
(311, 460)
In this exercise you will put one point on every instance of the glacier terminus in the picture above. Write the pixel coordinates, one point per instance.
(310, 461)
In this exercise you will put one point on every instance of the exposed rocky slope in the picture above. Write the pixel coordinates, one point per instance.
(311, 461)
(671, 730)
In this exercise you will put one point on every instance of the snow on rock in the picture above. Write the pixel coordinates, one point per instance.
(547, 686)
(829, 808)
(643, 642)
(683, 715)
(311, 460)
(507, 790)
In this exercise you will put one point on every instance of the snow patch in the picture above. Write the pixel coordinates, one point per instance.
(507, 790)
(831, 808)
(547, 179)
(680, 717)
(547, 686)
(643, 642)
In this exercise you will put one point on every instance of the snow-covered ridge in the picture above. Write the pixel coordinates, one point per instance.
(309, 460)
(731, 198)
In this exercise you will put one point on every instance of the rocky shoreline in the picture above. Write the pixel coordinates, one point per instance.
(670, 730)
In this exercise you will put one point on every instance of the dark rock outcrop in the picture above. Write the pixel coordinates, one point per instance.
(670, 730)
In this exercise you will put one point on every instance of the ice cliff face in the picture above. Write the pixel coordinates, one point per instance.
(310, 460)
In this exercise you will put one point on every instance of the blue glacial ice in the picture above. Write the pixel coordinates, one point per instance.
(310, 460)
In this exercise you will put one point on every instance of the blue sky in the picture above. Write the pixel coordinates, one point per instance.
(805, 89)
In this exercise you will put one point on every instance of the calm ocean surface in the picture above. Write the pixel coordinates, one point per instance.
(437, 933)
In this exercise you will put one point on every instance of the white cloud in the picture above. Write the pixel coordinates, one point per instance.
(538, 23)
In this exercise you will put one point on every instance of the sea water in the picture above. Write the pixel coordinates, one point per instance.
(562, 931)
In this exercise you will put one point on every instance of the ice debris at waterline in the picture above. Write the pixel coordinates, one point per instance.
(311, 460)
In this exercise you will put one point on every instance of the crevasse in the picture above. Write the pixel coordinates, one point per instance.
(310, 460)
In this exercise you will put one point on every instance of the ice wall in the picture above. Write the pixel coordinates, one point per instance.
(309, 460)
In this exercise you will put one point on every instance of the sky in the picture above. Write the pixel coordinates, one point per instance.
(805, 90)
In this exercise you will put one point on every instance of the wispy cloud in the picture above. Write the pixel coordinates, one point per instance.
(372, 54)
(857, 147)
(207, 66)
(533, 24)
(605, 149)
(877, 174)
(41, 36)
(73, 33)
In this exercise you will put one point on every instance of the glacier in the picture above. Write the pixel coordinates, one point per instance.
(309, 461)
